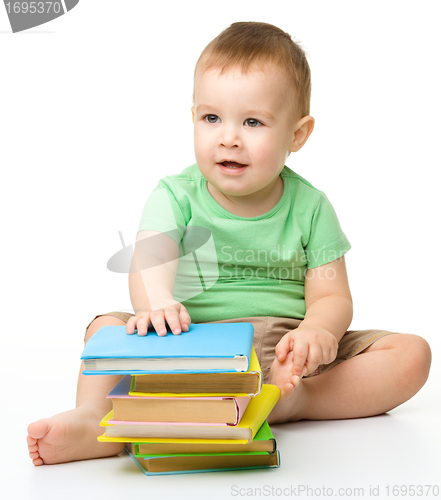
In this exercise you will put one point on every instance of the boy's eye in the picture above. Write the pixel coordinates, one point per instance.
(212, 119)
(252, 122)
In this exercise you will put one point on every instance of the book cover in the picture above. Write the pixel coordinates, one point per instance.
(238, 384)
(205, 348)
(213, 410)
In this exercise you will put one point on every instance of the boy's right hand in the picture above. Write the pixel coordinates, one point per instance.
(176, 316)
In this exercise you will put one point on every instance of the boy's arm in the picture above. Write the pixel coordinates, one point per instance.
(151, 285)
(328, 316)
(328, 298)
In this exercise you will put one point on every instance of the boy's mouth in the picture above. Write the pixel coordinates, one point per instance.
(232, 164)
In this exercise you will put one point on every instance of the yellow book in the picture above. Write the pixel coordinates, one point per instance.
(263, 441)
(149, 432)
(239, 384)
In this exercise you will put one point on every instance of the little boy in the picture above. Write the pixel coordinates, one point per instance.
(277, 249)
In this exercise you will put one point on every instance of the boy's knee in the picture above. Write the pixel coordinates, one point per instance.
(416, 361)
(100, 322)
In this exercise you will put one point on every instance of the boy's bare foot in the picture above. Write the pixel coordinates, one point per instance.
(67, 437)
(293, 394)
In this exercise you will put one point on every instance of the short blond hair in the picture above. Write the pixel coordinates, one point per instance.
(247, 44)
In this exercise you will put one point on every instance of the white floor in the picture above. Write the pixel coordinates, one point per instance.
(401, 448)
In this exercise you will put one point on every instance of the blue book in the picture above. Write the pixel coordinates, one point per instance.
(205, 348)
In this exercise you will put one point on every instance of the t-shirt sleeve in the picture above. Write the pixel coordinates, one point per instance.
(327, 241)
(163, 213)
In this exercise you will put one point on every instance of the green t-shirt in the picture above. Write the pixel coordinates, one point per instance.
(234, 267)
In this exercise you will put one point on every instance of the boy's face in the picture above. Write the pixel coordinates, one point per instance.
(244, 130)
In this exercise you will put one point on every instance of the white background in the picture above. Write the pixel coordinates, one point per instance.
(95, 109)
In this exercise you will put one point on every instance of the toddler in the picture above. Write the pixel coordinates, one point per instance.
(239, 236)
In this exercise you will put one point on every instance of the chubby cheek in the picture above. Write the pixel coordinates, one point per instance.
(202, 147)
(266, 154)
(276, 152)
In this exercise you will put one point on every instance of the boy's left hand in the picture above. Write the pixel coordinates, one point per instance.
(311, 345)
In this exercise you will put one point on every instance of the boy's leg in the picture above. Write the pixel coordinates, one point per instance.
(72, 435)
(385, 375)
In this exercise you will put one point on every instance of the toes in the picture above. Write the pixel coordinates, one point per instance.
(31, 441)
(295, 380)
(288, 388)
(38, 429)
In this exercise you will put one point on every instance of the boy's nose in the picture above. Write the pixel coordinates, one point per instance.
(230, 137)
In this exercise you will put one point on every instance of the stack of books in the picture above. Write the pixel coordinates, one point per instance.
(192, 402)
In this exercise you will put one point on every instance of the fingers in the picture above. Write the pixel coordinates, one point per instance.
(140, 322)
(315, 357)
(175, 316)
(185, 319)
(301, 353)
(158, 321)
(283, 347)
(132, 325)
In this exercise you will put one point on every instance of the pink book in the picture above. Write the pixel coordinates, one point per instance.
(121, 392)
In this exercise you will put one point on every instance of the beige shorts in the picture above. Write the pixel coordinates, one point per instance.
(268, 330)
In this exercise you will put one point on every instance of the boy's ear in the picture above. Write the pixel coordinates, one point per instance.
(302, 130)
(192, 113)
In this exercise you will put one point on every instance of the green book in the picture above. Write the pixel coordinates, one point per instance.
(213, 462)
